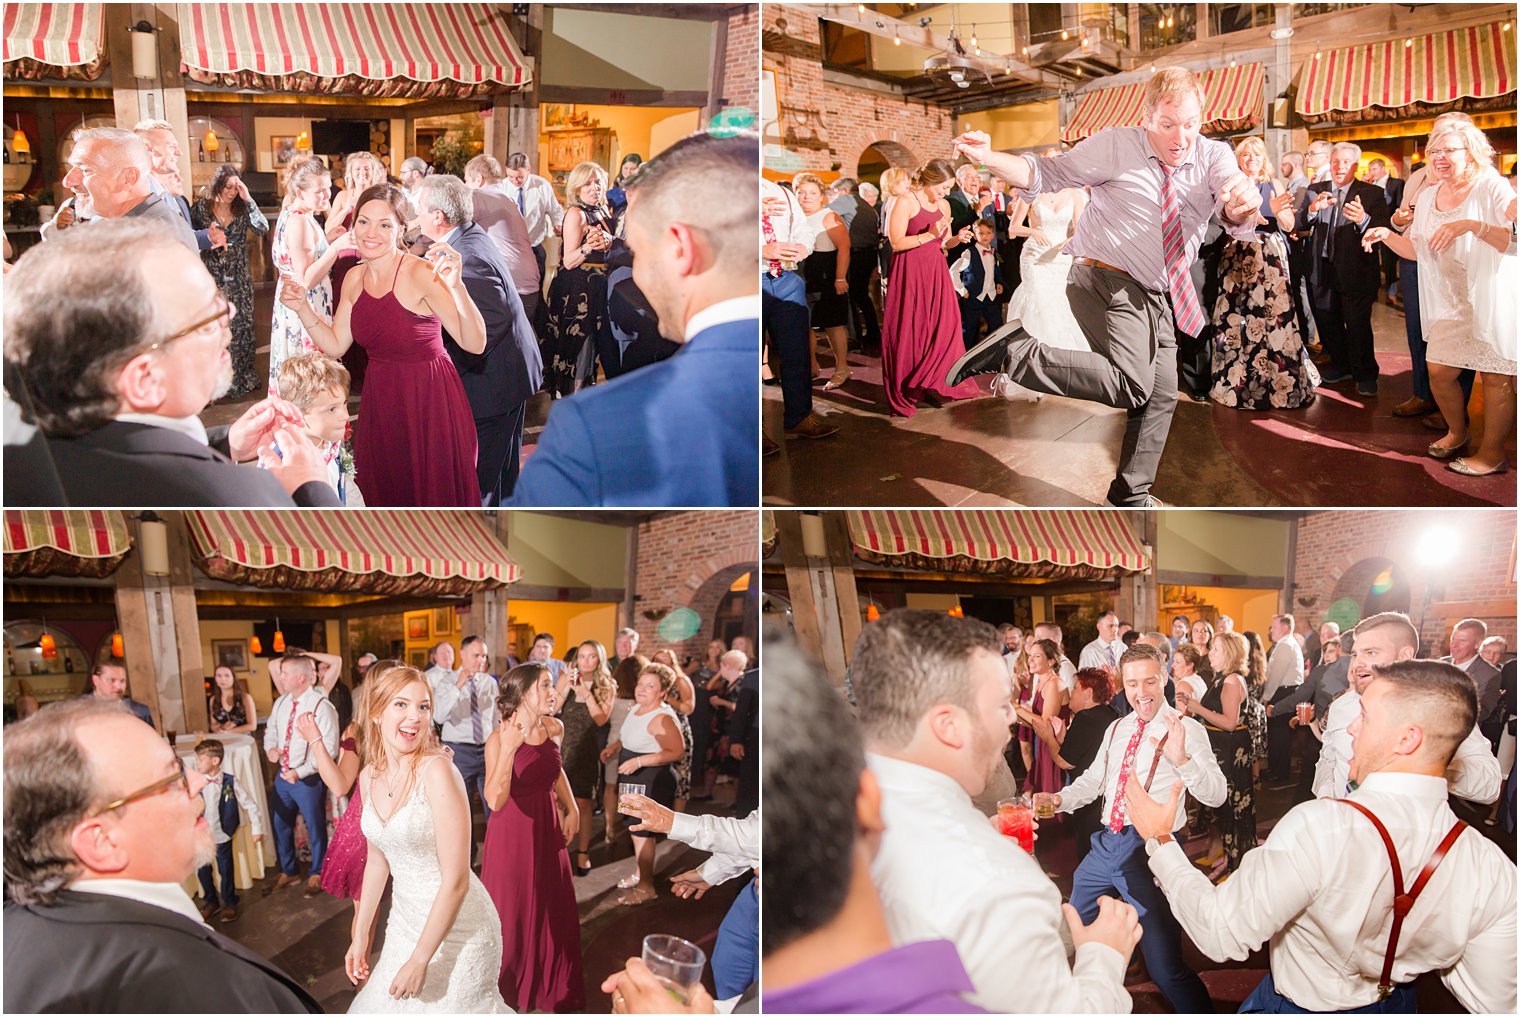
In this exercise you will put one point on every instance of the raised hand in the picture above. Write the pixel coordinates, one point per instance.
(1240, 197)
(1322, 200)
(1280, 200)
(1370, 239)
(513, 732)
(1175, 748)
(1150, 817)
(635, 989)
(653, 817)
(774, 206)
(217, 236)
(306, 724)
(1117, 926)
(296, 464)
(1404, 216)
(292, 293)
(242, 190)
(446, 265)
(974, 145)
(256, 427)
(1354, 211)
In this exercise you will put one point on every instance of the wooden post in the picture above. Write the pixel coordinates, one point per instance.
(132, 620)
(716, 72)
(799, 583)
(488, 619)
(521, 113)
(842, 564)
(187, 627)
(1290, 571)
(346, 649)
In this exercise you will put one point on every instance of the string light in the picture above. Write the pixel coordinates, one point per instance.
(896, 39)
(973, 36)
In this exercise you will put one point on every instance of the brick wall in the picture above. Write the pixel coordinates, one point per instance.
(689, 560)
(1476, 581)
(741, 82)
(844, 120)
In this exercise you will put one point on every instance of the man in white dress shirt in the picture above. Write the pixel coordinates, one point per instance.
(1156, 745)
(1320, 889)
(464, 702)
(1285, 673)
(1106, 650)
(935, 708)
(534, 198)
(500, 217)
(298, 787)
(786, 239)
(1383, 639)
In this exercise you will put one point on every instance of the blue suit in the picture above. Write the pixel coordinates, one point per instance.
(975, 310)
(682, 431)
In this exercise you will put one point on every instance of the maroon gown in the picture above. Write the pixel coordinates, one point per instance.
(921, 329)
(354, 358)
(415, 440)
(343, 865)
(1046, 774)
(527, 872)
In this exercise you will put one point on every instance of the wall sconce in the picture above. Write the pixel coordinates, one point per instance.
(153, 544)
(814, 544)
(144, 50)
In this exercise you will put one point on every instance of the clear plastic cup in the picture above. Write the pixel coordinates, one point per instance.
(677, 964)
(629, 789)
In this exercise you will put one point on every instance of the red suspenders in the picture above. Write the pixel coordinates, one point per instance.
(1403, 900)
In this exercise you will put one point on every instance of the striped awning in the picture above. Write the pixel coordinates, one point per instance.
(54, 40)
(377, 551)
(65, 542)
(1060, 544)
(1476, 62)
(376, 50)
(1232, 102)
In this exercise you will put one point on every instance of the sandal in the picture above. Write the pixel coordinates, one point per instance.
(1460, 466)
(628, 882)
(637, 897)
(837, 381)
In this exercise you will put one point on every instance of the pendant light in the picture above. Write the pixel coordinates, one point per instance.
(278, 642)
(210, 143)
(118, 646)
(19, 144)
(46, 644)
(255, 647)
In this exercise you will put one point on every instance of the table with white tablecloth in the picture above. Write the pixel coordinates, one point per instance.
(242, 761)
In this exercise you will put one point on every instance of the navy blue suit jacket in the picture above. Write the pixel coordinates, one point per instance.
(510, 370)
(202, 237)
(679, 432)
(972, 274)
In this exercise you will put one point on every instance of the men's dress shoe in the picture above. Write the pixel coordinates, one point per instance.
(987, 356)
(812, 426)
(1433, 422)
(313, 887)
(207, 909)
(1414, 406)
(1151, 501)
(281, 883)
(1460, 466)
(228, 915)
(768, 447)
(1366, 388)
(1330, 376)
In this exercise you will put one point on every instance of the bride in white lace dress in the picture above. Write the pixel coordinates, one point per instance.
(442, 951)
(1040, 303)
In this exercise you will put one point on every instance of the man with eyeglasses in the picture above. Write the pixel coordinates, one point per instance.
(115, 168)
(103, 825)
(115, 341)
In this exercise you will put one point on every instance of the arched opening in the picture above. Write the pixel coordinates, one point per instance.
(729, 602)
(879, 156)
(1369, 587)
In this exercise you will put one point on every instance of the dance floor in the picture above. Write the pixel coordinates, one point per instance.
(1341, 450)
(308, 938)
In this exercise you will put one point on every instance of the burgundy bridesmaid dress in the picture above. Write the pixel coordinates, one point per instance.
(415, 440)
(921, 327)
(527, 871)
(343, 866)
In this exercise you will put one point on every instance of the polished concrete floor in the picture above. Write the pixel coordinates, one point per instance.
(1341, 450)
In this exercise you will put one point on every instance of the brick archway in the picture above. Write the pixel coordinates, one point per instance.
(895, 152)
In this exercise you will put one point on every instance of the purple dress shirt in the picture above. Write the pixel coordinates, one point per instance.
(925, 977)
(1122, 223)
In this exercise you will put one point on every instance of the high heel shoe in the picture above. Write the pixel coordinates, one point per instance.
(1436, 451)
(582, 870)
(837, 381)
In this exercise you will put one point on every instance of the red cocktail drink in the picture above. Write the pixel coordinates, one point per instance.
(1016, 819)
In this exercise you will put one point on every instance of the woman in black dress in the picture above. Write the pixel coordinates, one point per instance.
(226, 204)
(1222, 711)
(231, 706)
(585, 695)
(578, 295)
(1076, 749)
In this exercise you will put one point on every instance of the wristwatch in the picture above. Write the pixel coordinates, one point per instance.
(1154, 844)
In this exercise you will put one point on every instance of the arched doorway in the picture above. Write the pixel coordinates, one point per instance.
(729, 604)
(880, 156)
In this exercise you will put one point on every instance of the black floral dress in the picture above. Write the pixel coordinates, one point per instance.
(577, 309)
(1236, 818)
(229, 267)
(1259, 361)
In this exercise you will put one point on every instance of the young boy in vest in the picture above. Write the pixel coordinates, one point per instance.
(222, 797)
(978, 281)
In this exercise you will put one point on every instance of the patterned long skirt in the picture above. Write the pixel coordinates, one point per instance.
(1236, 818)
(1259, 360)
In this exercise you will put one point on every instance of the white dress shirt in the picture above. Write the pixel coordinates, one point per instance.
(169, 896)
(791, 228)
(1068, 672)
(451, 705)
(1100, 654)
(1320, 890)
(1200, 774)
(943, 872)
(989, 284)
(211, 794)
(734, 843)
(1473, 774)
(311, 701)
(723, 313)
(539, 206)
(1285, 667)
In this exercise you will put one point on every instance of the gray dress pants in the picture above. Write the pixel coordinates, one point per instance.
(1132, 366)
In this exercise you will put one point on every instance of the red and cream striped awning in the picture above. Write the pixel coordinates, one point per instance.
(1061, 544)
(1476, 62)
(1232, 102)
(379, 50)
(65, 542)
(54, 40)
(376, 551)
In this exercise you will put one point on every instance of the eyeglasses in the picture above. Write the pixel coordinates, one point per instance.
(213, 324)
(1448, 152)
(180, 777)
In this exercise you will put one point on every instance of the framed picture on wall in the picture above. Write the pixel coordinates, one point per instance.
(558, 114)
(443, 621)
(416, 626)
(231, 653)
(282, 148)
(418, 659)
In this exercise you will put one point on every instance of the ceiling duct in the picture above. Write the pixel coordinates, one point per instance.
(953, 68)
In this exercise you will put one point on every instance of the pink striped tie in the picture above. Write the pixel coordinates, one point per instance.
(1179, 282)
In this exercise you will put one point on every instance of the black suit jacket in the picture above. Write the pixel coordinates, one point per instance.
(1393, 193)
(91, 953)
(962, 214)
(744, 725)
(1349, 269)
(202, 237)
(510, 370)
(130, 465)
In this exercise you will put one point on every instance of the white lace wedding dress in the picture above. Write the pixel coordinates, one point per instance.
(463, 973)
(1040, 303)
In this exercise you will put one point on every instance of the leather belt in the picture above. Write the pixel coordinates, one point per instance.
(1095, 263)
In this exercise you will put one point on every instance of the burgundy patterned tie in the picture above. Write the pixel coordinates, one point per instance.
(1179, 282)
(1120, 811)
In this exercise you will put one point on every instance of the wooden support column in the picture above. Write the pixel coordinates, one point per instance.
(1138, 589)
(825, 604)
(716, 72)
(346, 649)
(521, 112)
(1290, 571)
(488, 620)
(630, 580)
(799, 585)
(187, 629)
(132, 620)
(842, 565)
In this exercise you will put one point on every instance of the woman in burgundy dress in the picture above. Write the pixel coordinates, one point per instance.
(415, 440)
(343, 866)
(524, 864)
(361, 171)
(921, 329)
(1049, 704)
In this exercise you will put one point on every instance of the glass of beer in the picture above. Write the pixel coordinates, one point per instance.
(1044, 805)
(1305, 712)
(629, 789)
(1015, 819)
(676, 963)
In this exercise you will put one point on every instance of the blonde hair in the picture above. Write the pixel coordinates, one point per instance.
(357, 159)
(1236, 652)
(1169, 85)
(664, 673)
(1480, 154)
(892, 178)
(579, 177)
(304, 378)
(302, 174)
(1255, 144)
(807, 178)
(382, 686)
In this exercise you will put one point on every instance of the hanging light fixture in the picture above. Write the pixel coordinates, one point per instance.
(278, 642)
(896, 39)
(303, 142)
(118, 646)
(255, 647)
(211, 143)
(973, 35)
(956, 612)
(48, 646)
(873, 612)
(19, 144)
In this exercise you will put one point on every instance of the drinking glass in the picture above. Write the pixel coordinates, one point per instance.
(1016, 820)
(1044, 805)
(629, 789)
(676, 963)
